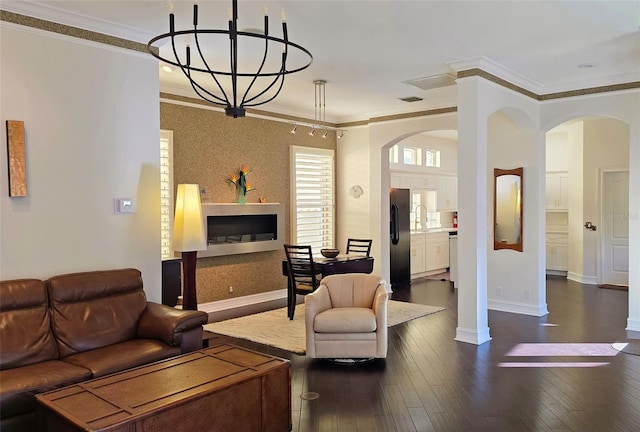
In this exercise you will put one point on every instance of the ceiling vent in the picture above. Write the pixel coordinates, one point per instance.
(432, 82)
(411, 99)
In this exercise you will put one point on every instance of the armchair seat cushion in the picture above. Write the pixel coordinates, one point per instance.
(123, 355)
(348, 337)
(20, 384)
(345, 320)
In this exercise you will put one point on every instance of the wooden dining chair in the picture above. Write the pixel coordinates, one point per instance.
(302, 275)
(359, 246)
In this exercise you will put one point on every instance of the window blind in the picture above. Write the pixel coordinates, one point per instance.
(166, 193)
(313, 204)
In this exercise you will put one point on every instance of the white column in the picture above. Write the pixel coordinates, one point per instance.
(472, 215)
(633, 321)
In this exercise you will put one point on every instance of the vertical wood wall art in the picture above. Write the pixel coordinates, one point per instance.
(16, 156)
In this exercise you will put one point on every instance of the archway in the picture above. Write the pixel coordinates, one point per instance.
(585, 152)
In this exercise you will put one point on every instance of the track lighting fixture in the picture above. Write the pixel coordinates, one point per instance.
(319, 120)
(293, 131)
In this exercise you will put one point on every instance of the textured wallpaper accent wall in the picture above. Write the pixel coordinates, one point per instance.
(207, 147)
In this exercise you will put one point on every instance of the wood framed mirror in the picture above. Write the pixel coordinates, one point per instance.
(507, 209)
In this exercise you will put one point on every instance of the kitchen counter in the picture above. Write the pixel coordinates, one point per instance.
(434, 230)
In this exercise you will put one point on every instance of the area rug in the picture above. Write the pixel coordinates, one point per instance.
(274, 328)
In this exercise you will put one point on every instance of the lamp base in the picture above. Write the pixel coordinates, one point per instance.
(189, 295)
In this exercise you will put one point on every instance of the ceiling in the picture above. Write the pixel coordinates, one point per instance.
(366, 50)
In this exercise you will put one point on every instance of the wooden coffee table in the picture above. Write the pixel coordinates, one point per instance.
(222, 388)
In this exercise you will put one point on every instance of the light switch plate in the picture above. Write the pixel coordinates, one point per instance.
(124, 205)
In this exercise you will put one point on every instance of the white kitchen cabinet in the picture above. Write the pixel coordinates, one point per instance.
(557, 194)
(447, 193)
(437, 251)
(422, 181)
(401, 181)
(417, 254)
(429, 253)
(557, 252)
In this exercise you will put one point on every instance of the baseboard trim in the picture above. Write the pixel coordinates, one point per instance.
(557, 272)
(587, 280)
(633, 324)
(518, 308)
(243, 301)
(472, 336)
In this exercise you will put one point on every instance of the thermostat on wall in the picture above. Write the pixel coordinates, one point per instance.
(124, 205)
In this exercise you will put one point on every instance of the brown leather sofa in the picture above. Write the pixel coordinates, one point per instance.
(79, 326)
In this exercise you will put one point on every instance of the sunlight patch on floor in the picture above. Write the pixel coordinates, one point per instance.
(619, 346)
(562, 349)
(552, 364)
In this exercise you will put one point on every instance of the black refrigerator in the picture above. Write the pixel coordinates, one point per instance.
(400, 244)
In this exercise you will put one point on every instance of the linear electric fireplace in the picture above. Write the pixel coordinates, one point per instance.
(235, 229)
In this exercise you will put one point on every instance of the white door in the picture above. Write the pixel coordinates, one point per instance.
(615, 228)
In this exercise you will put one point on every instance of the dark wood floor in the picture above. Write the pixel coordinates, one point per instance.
(429, 382)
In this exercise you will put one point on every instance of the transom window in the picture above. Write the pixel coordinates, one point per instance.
(432, 158)
(412, 156)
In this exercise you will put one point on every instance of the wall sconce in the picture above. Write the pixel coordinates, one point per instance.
(324, 135)
(341, 134)
(313, 131)
(293, 131)
(189, 238)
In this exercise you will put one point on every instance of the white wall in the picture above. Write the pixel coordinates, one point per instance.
(557, 156)
(512, 278)
(91, 115)
(352, 169)
(575, 263)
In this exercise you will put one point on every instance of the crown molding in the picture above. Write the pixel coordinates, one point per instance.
(489, 66)
(47, 12)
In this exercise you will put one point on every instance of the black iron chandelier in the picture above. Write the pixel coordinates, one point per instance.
(260, 85)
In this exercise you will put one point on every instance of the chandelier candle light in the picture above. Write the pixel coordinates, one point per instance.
(260, 84)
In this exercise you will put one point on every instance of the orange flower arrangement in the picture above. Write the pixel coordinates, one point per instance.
(241, 183)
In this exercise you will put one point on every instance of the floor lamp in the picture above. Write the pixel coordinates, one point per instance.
(189, 238)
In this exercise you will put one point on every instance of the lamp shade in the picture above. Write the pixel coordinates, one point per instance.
(188, 227)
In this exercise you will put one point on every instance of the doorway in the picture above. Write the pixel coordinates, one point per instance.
(615, 228)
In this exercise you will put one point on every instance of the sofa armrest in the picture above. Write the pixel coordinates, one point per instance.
(168, 324)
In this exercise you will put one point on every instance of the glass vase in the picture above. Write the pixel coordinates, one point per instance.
(241, 196)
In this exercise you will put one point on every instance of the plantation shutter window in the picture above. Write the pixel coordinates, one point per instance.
(312, 183)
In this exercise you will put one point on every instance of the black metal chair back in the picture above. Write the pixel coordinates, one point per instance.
(302, 274)
(359, 246)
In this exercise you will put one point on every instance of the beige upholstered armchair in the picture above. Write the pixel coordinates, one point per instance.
(346, 317)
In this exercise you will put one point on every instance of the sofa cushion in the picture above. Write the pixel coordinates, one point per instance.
(345, 320)
(121, 356)
(95, 309)
(19, 385)
(25, 328)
